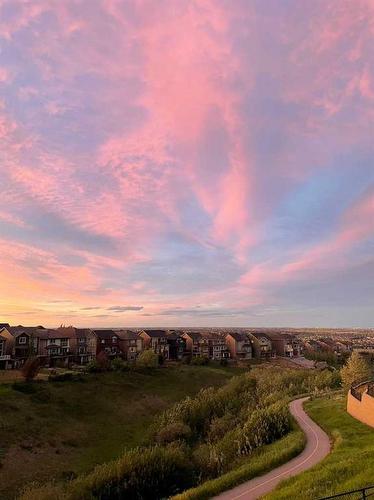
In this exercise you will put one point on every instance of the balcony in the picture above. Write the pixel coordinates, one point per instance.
(5, 357)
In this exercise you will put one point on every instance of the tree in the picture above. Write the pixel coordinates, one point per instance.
(102, 361)
(31, 368)
(357, 369)
(147, 359)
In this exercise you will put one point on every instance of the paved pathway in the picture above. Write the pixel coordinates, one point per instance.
(317, 447)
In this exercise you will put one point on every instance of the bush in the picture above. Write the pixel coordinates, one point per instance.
(61, 377)
(100, 364)
(173, 432)
(200, 360)
(24, 387)
(147, 359)
(31, 368)
(149, 473)
(119, 365)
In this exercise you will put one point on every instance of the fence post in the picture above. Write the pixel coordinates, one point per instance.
(364, 494)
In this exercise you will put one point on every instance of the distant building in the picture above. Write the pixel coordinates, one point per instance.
(83, 343)
(177, 346)
(239, 345)
(108, 341)
(157, 340)
(6, 348)
(262, 345)
(131, 344)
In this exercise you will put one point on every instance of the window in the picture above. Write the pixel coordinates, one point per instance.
(64, 342)
(82, 340)
(114, 340)
(22, 340)
(1, 347)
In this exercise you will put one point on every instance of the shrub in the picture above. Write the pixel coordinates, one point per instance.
(100, 364)
(147, 359)
(93, 367)
(31, 368)
(24, 387)
(173, 432)
(200, 360)
(119, 365)
(61, 377)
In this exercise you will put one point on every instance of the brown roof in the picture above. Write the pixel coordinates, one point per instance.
(156, 333)
(106, 334)
(127, 335)
(29, 330)
(194, 335)
(55, 334)
(239, 336)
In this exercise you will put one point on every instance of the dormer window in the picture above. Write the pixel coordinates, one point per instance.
(114, 340)
(22, 340)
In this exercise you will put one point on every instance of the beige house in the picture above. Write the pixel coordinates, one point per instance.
(239, 345)
(6, 348)
(262, 345)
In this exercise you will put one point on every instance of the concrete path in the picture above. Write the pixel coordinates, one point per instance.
(317, 447)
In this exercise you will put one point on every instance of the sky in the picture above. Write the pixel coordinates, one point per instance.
(187, 163)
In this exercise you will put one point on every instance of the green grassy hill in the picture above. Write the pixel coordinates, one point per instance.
(349, 466)
(65, 428)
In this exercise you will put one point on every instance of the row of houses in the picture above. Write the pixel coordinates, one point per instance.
(67, 345)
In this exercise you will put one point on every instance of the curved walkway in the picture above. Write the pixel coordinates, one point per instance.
(317, 447)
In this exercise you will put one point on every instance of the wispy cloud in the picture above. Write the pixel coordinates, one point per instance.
(229, 168)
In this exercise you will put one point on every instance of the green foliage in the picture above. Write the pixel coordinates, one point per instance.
(204, 436)
(147, 359)
(175, 431)
(199, 361)
(100, 419)
(262, 460)
(119, 365)
(24, 387)
(357, 369)
(150, 473)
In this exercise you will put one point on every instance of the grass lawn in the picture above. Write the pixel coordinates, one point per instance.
(349, 466)
(65, 428)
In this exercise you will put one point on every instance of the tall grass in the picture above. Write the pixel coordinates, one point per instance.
(201, 438)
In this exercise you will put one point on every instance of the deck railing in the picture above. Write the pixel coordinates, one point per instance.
(357, 393)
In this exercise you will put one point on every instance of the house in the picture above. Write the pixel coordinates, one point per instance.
(177, 346)
(6, 348)
(157, 340)
(131, 344)
(285, 344)
(83, 343)
(262, 345)
(239, 345)
(206, 345)
(26, 342)
(108, 341)
(217, 346)
(55, 347)
(196, 344)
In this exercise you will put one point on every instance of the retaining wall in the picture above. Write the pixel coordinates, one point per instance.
(362, 410)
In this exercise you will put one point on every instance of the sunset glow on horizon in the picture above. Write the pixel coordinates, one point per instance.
(187, 162)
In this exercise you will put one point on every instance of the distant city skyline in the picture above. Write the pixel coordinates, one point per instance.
(181, 163)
